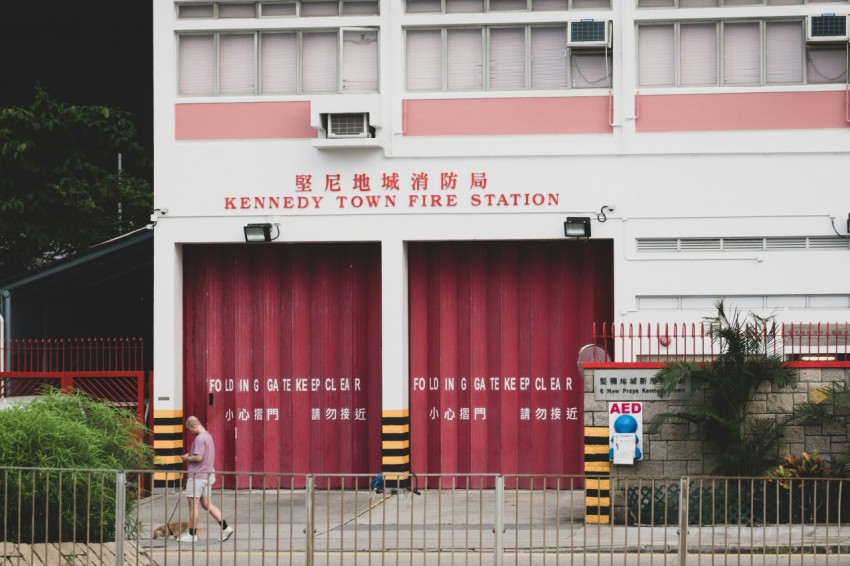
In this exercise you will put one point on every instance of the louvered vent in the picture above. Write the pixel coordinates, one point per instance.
(829, 243)
(657, 245)
(741, 244)
(785, 243)
(700, 245)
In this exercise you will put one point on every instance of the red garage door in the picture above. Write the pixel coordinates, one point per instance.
(495, 329)
(282, 350)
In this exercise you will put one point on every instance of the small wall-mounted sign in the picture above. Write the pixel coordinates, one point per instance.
(629, 384)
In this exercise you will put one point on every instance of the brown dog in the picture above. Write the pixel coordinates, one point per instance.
(172, 530)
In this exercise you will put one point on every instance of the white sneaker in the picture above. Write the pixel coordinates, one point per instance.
(227, 533)
(186, 537)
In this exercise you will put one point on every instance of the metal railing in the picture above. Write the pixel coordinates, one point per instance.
(71, 354)
(439, 519)
(662, 342)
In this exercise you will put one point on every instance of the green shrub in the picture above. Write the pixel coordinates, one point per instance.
(58, 457)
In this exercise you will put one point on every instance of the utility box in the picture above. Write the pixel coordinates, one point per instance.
(625, 432)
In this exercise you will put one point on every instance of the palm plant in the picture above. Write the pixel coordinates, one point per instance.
(833, 409)
(722, 390)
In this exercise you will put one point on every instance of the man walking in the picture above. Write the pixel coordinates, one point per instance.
(200, 464)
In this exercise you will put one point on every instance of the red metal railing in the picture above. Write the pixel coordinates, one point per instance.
(821, 343)
(72, 354)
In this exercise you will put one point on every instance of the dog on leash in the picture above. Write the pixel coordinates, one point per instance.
(173, 530)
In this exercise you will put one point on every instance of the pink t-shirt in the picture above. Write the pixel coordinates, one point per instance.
(203, 446)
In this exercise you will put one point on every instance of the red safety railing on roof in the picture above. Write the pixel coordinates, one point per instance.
(72, 354)
(663, 342)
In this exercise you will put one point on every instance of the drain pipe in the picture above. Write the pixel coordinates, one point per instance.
(6, 297)
(2, 344)
(684, 496)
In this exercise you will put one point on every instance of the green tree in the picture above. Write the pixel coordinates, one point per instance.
(60, 187)
(722, 390)
(58, 457)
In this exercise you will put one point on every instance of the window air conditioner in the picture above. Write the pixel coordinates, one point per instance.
(351, 125)
(826, 28)
(589, 33)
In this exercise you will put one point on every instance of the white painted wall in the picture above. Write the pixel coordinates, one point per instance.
(714, 185)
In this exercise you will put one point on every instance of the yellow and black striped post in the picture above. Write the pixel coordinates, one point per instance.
(395, 448)
(597, 471)
(168, 447)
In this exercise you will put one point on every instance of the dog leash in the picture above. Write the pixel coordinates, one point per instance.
(173, 511)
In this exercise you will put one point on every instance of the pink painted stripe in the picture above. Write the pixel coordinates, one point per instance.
(745, 111)
(243, 120)
(503, 116)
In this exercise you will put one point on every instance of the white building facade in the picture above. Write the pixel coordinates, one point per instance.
(419, 303)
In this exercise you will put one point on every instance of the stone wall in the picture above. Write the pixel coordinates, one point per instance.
(672, 453)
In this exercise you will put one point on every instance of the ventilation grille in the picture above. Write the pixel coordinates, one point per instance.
(741, 244)
(348, 125)
(589, 33)
(827, 27)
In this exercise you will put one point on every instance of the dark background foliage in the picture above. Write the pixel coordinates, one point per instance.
(97, 52)
(58, 175)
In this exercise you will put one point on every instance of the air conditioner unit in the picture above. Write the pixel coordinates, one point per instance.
(349, 125)
(589, 33)
(826, 28)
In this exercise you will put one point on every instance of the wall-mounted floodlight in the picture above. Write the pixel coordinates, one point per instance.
(577, 227)
(260, 232)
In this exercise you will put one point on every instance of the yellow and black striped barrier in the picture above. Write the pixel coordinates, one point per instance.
(395, 447)
(597, 471)
(167, 446)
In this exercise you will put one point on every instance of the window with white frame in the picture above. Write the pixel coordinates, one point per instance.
(735, 53)
(481, 6)
(278, 62)
(501, 58)
(277, 9)
(720, 3)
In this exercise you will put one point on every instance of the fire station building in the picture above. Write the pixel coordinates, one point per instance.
(384, 229)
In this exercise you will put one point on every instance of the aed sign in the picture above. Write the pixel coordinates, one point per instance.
(625, 431)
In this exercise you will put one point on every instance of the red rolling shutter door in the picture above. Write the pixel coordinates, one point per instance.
(495, 329)
(282, 355)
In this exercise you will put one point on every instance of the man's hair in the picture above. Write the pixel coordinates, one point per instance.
(191, 421)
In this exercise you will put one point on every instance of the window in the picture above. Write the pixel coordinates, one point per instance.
(716, 3)
(735, 53)
(279, 62)
(196, 63)
(278, 9)
(501, 58)
(481, 6)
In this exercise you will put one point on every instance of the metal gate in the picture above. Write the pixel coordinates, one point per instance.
(104, 368)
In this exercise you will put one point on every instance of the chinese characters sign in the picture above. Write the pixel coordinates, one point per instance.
(391, 190)
(629, 384)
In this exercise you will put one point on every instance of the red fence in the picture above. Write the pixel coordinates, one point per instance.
(71, 354)
(661, 342)
(104, 368)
